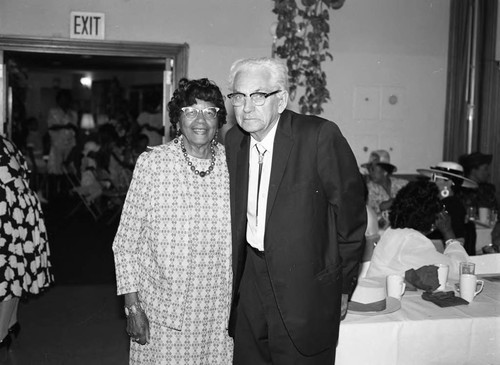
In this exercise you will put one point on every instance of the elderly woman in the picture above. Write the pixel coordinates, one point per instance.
(382, 186)
(416, 211)
(172, 248)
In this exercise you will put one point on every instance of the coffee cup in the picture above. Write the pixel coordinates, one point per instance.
(395, 286)
(470, 287)
(442, 276)
(467, 268)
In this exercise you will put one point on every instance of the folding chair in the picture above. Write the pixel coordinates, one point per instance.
(87, 200)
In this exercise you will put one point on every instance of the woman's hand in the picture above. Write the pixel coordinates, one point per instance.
(443, 223)
(137, 321)
(138, 327)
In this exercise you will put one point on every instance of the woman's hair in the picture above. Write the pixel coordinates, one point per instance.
(416, 206)
(190, 90)
(277, 69)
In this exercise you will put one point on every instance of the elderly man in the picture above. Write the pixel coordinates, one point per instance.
(298, 221)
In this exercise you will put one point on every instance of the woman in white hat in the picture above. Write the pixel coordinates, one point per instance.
(382, 186)
(449, 178)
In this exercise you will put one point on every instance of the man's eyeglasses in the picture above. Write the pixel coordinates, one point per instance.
(258, 98)
(191, 113)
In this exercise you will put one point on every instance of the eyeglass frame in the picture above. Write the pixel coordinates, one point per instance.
(435, 177)
(198, 112)
(265, 95)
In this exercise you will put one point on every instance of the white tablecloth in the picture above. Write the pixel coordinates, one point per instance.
(422, 333)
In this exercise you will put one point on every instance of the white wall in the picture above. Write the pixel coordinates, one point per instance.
(381, 48)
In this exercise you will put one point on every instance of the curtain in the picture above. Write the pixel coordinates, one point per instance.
(463, 80)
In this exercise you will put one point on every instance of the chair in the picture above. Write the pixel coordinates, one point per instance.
(86, 200)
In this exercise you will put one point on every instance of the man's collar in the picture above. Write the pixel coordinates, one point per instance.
(268, 140)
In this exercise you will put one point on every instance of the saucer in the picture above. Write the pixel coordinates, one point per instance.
(392, 305)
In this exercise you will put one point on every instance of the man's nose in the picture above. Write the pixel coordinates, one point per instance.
(248, 105)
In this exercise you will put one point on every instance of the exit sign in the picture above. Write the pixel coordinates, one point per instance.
(86, 25)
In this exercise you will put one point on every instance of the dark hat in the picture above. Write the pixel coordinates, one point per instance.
(474, 160)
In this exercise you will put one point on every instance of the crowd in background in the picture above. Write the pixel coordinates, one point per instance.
(464, 188)
(100, 158)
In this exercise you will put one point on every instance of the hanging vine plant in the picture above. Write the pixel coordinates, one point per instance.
(302, 40)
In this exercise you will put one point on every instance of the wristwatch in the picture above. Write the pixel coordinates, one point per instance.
(133, 309)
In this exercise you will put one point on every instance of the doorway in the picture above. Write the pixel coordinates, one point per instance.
(32, 72)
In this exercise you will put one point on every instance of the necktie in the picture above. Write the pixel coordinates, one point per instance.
(262, 151)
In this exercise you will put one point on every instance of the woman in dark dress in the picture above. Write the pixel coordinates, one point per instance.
(24, 250)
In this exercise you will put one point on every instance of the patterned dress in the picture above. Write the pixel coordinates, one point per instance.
(24, 250)
(173, 247)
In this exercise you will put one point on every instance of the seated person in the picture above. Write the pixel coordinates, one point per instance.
(372, 230)
(450, 180)
(89, 187)
(112, 168)
(495, 240)
(477, 168)
(416, 211)
(140, 145)
(382, 186)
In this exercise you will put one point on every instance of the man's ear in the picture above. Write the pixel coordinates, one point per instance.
(283, 101)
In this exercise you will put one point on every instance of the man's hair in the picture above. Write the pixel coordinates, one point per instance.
(277, 68)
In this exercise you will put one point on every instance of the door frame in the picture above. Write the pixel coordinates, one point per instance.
(175, 56)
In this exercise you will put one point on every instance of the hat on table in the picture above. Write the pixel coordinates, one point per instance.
(381, 157)
(450, 170)
(370, 298)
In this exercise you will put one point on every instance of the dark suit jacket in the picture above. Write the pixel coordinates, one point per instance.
(315, 224)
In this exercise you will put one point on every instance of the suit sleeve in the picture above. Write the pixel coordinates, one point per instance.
(343, 184)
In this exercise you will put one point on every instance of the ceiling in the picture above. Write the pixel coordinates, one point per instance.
(53, 61)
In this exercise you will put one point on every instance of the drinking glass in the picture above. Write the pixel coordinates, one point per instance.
(467, 268)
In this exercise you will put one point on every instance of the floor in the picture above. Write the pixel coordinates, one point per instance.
(79, 320)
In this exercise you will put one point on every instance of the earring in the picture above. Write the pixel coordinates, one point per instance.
(445, 192)
(214, 140)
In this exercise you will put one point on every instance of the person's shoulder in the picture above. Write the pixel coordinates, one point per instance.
(398, 181)
(153, 153)
(233, 135)
(303, 124)
(306, 119)
(487, 186)
(220, 149)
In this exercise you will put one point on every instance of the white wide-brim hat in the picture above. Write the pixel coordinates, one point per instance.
(449, 169)
(370, 298)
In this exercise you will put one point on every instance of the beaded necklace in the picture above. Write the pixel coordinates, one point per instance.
(190, 164)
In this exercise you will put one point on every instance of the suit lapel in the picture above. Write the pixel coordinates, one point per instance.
(283, 143)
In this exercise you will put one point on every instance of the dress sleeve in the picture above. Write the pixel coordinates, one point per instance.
(343, 184)
(127, 245)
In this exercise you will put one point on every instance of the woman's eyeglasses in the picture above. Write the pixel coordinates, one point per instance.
(436, 177)
(258, 98)
(191, 113)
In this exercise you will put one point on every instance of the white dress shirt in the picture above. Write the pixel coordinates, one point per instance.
(256, 225)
